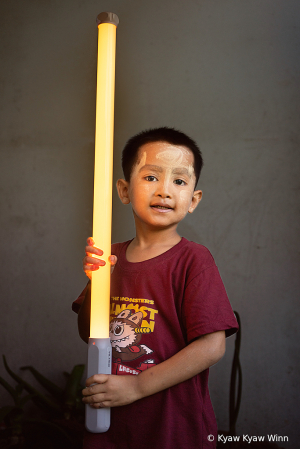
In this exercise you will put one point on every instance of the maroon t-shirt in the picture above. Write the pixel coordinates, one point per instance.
(158, 306)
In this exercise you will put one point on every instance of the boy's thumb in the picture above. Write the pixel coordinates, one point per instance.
(113, 259)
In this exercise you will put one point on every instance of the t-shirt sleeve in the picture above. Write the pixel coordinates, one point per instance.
(206, 307)
(77, 303)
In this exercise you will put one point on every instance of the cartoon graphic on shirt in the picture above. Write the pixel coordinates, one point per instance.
(125, 336)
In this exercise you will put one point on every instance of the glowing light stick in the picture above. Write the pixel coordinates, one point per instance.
(99, 346)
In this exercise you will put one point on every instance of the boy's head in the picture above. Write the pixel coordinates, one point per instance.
(170, 135)
(161, 168)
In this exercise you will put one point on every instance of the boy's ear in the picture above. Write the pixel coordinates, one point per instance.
(123, 191)
(197, 196)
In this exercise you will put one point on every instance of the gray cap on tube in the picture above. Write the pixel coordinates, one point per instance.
(107, 17)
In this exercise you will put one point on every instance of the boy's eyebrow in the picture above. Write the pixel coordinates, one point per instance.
(181, 171)
(176, 171)
(152, 167)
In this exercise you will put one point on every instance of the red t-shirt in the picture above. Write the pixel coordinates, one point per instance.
(158, 306)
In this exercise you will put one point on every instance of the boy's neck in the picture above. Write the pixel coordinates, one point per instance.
(147, 245)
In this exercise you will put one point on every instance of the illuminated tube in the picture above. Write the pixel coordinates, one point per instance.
(99, 346)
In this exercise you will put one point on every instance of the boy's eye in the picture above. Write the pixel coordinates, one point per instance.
(151, 178)
(180, 182)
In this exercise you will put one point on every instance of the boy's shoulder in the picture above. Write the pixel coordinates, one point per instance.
(196, 249)
(195, 255)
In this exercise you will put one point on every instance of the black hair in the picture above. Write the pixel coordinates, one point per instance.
(164, 134)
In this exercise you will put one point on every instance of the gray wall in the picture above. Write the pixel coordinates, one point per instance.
(224, 71)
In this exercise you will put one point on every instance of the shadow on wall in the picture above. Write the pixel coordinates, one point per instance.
(229, 439)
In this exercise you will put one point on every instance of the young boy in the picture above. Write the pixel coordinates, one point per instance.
(169, 309)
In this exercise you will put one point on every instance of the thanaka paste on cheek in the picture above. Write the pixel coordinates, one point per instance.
(185, 199)
(185, 196)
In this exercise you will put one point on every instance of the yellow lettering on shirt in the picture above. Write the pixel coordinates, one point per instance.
(148, 313)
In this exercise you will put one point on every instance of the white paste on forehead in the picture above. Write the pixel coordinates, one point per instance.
(174, 157)
(172, 154)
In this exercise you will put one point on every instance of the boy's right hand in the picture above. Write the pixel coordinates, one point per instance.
(91, 263)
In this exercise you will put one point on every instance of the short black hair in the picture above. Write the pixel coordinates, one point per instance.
(164, 134)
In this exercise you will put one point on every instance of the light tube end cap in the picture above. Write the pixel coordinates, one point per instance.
(107, 17)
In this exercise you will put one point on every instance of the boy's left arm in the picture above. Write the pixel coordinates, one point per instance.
(113, 391)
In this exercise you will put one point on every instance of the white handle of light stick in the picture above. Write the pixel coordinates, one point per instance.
(99, 361)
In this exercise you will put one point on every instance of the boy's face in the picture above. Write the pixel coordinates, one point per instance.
(161, 187)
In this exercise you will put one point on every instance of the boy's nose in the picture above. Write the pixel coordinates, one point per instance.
(164, 195)
(163, 190)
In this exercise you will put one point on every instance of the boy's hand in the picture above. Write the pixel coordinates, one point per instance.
(91, 263)
(109, 390)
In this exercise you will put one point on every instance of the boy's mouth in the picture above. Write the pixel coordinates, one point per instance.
(161, 207)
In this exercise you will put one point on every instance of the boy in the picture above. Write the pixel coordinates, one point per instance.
(170, 312)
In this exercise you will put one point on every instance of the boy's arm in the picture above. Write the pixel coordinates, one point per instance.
(112, 391)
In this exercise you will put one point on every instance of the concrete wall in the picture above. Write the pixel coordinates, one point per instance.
(224, 71)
